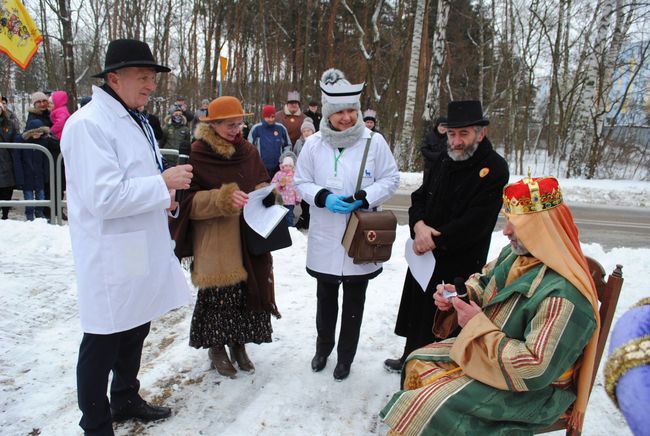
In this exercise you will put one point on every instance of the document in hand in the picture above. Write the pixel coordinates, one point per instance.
(421, 266)
(260, 218)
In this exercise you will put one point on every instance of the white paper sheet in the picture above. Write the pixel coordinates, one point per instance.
(421, 266)
(260, 218)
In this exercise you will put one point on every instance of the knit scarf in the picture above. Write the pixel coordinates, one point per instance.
(346, 138)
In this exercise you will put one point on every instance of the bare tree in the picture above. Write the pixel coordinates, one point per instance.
(65, 18)
(437, 60)
(404, 146)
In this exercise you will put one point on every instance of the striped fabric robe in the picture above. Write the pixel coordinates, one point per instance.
(510, 369)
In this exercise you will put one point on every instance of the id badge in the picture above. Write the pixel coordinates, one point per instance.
(334, 183)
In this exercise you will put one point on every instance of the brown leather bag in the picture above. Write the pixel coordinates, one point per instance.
(369, 236)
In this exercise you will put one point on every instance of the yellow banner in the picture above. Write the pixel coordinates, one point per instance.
(223, 65)
(19, 36)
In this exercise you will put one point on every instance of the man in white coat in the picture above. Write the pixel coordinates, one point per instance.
(118, 197)
(327, 172)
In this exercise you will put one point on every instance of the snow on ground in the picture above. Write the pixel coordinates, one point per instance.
(40, 335)
(628, 193)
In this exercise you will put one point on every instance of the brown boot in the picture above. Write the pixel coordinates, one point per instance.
(219, 360)
(238, 354)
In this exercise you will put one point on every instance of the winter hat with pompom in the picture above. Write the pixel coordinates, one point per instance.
(337, 93)
(307, 124)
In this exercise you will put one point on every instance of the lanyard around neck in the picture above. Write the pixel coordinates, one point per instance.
(336, 161)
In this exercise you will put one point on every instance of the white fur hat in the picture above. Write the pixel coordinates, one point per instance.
(337, 93)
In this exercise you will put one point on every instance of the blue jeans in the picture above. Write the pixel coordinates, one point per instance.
(289, 214)
(30, 210)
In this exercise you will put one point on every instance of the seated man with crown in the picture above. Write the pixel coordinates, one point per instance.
(528, 322)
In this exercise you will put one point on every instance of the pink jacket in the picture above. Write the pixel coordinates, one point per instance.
(60, 113)
(284, 181)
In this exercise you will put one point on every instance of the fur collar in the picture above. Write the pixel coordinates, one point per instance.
(168, 120)
(219, 145)
(289, 114)
(32, 133)
(39, 112)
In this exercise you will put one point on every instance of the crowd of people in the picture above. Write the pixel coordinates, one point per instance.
(278, 134)
(501, 348)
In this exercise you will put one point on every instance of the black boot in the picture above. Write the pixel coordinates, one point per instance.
(142, 411)
(318, 362)
(394, 365)
(342, 371)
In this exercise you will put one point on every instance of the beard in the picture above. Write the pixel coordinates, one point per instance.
(518, 248)
(467, 152)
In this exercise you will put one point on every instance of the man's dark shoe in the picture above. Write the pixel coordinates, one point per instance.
(142, 411)
(342, 371)
(318, 362)
(393, 365)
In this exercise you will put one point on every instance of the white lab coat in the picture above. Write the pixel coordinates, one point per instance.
(315, 166)
(126, 270)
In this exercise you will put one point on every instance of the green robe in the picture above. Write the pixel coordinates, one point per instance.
(512, 357)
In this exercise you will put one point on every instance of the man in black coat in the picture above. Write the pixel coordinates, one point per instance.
(435, 144)
(452, 214)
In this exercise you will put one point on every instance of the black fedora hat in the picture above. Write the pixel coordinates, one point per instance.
(122, 53)
(465, 113)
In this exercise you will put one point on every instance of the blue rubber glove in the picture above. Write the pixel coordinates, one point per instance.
(334, 203)
(356, 204)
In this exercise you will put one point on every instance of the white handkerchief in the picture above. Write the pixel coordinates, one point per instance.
(421, 266)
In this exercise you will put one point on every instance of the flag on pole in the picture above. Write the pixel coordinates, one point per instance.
(224, 64)
(19, 36)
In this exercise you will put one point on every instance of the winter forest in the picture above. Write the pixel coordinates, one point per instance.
(565, 83)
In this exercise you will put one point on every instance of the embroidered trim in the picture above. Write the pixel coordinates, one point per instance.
(630, 355)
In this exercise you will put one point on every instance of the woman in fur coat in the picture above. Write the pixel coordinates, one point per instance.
(236, 291)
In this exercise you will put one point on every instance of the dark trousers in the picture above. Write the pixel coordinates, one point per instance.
(98, 356)
(354, 298)
(5, 194)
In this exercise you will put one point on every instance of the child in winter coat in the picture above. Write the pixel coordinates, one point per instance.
(60, 113)
(307, 129)
(31, 167)
(283, 179)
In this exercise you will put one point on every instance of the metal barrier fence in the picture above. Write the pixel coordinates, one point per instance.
(57, 194)
(54, 217)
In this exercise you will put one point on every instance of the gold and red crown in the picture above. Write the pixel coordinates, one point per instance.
(530, 195)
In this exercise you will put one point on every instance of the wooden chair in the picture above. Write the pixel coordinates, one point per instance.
(608, 293)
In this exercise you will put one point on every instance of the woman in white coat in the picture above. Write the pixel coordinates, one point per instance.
(326, 174)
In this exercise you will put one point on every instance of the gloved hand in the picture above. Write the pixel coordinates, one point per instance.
(356, 204)
(336, 204)
(269, 200)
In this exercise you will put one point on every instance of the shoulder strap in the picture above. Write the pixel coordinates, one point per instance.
(363, 163)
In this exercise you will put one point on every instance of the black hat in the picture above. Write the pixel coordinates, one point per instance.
(122, 53)
(465, 113)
